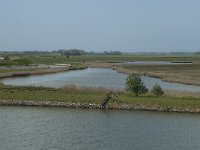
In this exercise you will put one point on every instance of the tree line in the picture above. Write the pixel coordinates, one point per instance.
(71, 52)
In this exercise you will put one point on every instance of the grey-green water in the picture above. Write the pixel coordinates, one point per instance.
(93, 77)
(34, 128)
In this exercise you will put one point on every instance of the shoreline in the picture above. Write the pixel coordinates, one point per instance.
(112, 66)
(119, 69)
(166, 79)
(60, 104)
(37, 72)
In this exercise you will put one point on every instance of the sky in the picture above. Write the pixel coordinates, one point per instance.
(99, 25)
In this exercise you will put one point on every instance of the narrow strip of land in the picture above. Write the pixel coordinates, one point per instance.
(33, 72)
(75, 98)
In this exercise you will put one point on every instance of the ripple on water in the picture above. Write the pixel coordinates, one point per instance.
(58, 128)
(93, 77)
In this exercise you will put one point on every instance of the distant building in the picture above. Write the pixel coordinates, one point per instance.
(1, 58)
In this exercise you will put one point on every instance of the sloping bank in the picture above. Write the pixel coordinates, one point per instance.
(137, 107)
(191, 78)
(39, 71)
(167, 77)
(33, 72)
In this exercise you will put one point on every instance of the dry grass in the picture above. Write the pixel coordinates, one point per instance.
(187, 74)
(73, 88)
(32, 72)
(182, 94)
(98, 64)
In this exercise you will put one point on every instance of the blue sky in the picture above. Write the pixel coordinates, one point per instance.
(98, 25)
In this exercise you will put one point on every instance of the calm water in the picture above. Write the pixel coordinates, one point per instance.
(93, 77)
(75, 129)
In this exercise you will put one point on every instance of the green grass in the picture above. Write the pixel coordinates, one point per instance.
(77, 66)
(33, 93)
(53, 59)
(16, 62)
(162, 101)
(74, 66)
(108, 58)
(77, 96)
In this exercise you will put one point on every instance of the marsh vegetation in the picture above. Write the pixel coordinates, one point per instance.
(184, 73)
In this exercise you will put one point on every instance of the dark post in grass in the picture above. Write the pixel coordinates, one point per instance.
(108, 97)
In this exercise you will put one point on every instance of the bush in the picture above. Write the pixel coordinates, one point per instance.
(6, 58)
(157, 90)
(135, 85)
(22, 61)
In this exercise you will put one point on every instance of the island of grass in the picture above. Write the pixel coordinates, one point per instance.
(92, 98)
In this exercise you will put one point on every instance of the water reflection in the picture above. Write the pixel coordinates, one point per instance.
(56, 128)
(93, 77)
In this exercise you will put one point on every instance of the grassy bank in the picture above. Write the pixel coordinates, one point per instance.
(49, 94)
(184, 73)
(31, 72)
(16, 61)
(51, 59)
(4, 73)
(180, 73)
(145, 102)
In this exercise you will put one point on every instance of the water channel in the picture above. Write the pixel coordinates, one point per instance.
(92, 77)
(31, 128)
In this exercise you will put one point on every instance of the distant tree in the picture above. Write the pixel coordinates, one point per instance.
(6, 58)
(157, 90)
(112, 53)
(135, 85)
(117, 53)
(197, 53)
(74, 52)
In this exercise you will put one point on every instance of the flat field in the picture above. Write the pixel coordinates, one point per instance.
(109, 58)
(96, 97)
(184, 73)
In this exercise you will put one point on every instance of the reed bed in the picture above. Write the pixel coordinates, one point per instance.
(74, 88)
(182, 94)
(186, 73)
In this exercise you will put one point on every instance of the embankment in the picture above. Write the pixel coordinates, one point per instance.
(95, 106)
(34, 72)
(172, 79)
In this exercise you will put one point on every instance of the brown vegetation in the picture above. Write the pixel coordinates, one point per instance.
(182, 73)
(72, 87)
(186, 74)
(33, 72)
(182, 94)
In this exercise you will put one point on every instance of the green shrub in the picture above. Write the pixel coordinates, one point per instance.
(22, 61)
(157, 90)
(135, 85)
(6, 58)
